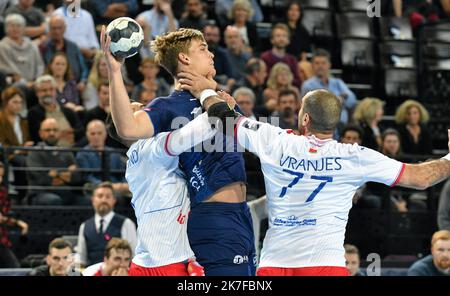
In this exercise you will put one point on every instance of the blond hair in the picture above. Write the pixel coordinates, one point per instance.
(277, 69)
(244, 4)
(168, 46)
(440, 235)
(94, 76)
(366, 110)
(402, 110)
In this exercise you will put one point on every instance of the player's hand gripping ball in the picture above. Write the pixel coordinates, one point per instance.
(127, 37)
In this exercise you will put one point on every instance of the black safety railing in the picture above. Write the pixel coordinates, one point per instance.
(105, 169)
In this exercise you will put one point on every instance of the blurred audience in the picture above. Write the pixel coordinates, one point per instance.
(255, 73)
(279, 37)
(97, 75)
(96, 232)
(35, 25)
(59, 260)
(80, 29)
(245, 98)
(300, 41)
(223, 8)
(323, 80)
(96, 136)
(67, 93)
(195, 16)
(352, 260)
(116, 260)
(7, 258)
(19, 57)
(236, 51)
(285, 115)
(150, 69)
(56, 42)
(352, 134)
(368, 115)
(107, 10)
(438, 263)
(69, 125)
(58, 170)
(412, 117)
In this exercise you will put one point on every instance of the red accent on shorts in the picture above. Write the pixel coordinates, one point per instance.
(176, 269)
(400, 174)
(303, 271)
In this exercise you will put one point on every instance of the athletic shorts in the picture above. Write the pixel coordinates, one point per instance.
(303, 271)
(221, 236)
(176, 269)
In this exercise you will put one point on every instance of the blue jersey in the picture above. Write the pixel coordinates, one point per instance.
(206, 172)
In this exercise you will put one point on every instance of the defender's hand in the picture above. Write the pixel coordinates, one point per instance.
(195, 83)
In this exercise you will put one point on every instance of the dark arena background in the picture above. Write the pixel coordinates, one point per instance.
(389, 61)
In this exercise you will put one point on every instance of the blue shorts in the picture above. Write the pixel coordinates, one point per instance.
(221, 236)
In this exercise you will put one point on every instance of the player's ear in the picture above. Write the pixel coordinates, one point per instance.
(184, 59)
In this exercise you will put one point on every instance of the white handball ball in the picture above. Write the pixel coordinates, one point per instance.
(127, 37)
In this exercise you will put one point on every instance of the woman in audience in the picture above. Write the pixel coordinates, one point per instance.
(368, 115)
(240, 15)
(14, 132)
(149, 69)
(67, 92)
(280, 78)
(300, 40)
(412, 118)
(98, 74)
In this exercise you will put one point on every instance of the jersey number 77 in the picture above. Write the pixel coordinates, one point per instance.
(298, 176)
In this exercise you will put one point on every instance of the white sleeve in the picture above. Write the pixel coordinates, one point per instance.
(256, 136)
(192, 134)
(379, 168)
(129, 233)
(81, 246)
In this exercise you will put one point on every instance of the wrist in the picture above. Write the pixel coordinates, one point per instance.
(206, 94)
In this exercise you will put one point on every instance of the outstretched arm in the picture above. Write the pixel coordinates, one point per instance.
(130, 126)
(424, 175)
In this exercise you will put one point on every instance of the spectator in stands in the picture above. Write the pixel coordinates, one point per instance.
(14, 132)
(67, 93)
(300, 41)
(279, 37)
(323, 80)
(240, 15)
(116, 260)
(390, 143)
(444, 208)
(150, 69)
(419, 12)
(59, 260)
(19, 57)
(223, 7)
(368, 115)
(7, 257)
(352, 134)
(56, 42)
(285, 113)
(195, 16)
(438, 263)
(352, 260)
(236, 51)
(35, 25)
(255, 76)
(61, 170)
(96, 136)
(412, 117)
(70, 127)
(147, 95)
(245, 98)
(97, 75)
(95, 233)
(156, 22)
(80, 29)
(222, 63)
(107, 10)
(4, 6)
(280, 78)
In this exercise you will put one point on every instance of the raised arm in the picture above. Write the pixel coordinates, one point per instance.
(424, 175)
(130, 126)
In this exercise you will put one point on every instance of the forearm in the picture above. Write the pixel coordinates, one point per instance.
(35, 31)
(172, 26)
(121, 112)
(397, 7)
(424, 175)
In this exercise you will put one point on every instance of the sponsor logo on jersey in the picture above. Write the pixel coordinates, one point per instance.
(293, 221)
(254, 126)
(238, 259)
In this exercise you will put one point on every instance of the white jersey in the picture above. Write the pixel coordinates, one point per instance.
(160, 195)
(310, 184)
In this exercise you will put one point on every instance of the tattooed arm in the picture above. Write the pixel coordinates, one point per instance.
(424, 175)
